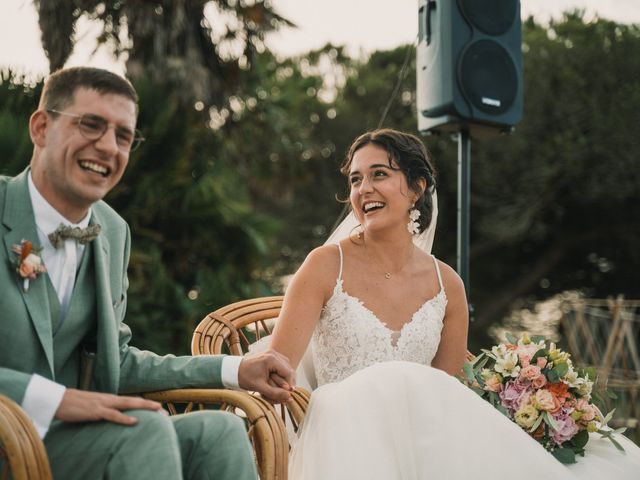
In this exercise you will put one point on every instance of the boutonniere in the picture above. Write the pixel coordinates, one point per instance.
(28, 262)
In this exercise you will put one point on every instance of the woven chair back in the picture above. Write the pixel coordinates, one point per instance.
(233, 328)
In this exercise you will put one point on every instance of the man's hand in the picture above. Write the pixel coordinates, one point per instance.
(83, 406)
(268, 373)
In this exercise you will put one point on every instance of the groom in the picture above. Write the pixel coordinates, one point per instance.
(65, 354)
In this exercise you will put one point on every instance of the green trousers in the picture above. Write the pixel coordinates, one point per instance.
(199, 445)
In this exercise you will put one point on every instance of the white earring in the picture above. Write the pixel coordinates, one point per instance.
(413, 226)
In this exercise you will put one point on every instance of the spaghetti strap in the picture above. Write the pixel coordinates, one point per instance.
(435, 261)
(340, 250)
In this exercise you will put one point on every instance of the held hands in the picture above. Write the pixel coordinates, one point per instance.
(83, 406)
(268, 373)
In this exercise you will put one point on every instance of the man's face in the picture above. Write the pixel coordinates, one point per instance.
(71, 171)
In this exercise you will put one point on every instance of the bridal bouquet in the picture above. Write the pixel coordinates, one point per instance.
(536, 385)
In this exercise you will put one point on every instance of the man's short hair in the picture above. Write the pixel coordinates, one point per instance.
(60, 87)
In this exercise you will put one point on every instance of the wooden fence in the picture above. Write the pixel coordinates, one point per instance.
(605, 334)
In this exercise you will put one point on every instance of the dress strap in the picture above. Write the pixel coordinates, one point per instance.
(435, 261)
(340, 250)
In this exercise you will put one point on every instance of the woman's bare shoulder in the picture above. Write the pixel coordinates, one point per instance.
(321, 265)
(452, 282)
(324, 254)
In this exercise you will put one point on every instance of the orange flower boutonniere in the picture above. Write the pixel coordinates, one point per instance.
(28, 262)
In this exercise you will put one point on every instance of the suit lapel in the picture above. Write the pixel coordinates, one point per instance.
(107, 355)
(18, 217)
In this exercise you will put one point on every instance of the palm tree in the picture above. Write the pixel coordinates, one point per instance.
(172, 40)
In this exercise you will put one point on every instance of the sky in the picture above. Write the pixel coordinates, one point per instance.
(362, 25)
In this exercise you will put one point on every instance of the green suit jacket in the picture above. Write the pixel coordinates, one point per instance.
(26, 342)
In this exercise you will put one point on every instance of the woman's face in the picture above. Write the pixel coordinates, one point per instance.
(380, 196)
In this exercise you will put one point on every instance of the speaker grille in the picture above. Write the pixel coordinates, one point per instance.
(489, 80)
(493, 17)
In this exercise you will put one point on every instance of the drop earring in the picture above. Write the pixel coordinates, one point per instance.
(413, 226)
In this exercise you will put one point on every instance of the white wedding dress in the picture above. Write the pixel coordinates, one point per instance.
(381, 412)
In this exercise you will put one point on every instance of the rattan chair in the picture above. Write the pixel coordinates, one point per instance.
(233, 328)
(266, 428)
(23, 456)
(22, 453)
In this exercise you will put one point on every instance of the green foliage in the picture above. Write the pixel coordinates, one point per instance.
(18, 98)
(564, 455)
(200, 47)
(549, 207)
(197, 244)
(551, 201)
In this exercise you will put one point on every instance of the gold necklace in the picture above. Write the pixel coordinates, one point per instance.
(387, 275)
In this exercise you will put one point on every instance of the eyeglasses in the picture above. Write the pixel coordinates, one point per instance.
(93, 127)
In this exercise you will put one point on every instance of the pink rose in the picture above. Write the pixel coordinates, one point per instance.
(539, 382)
(588, 412)
(533, 374)
(525, 352)
(530, 372)
(581, 404)
(541, 362)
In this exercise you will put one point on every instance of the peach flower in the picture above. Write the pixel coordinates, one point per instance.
(539, 382)
(493, 384)
(544, 400)
(31, 266)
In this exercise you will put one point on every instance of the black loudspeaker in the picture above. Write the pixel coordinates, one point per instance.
(469, 66)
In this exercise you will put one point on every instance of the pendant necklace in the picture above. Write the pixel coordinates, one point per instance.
(387, 275)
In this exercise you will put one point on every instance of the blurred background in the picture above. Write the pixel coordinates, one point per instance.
(248, 108)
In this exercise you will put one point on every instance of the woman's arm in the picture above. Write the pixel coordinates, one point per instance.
(453, 342)
(309, 290)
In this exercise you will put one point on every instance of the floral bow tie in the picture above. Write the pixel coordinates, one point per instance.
(81, 235)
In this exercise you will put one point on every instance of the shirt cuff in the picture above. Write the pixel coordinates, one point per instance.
(41, 401)
(229, 371)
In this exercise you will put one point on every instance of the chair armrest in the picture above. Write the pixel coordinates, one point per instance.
(20, 444)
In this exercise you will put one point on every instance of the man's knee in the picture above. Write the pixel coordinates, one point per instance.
(210, 427)
(151, 423)
(152, 440)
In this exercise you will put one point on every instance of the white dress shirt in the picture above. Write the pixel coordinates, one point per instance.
(43, 396)
(61, 263)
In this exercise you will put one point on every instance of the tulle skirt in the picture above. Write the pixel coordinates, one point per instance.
(401, 420)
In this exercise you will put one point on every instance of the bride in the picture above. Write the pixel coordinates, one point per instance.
(387, 326)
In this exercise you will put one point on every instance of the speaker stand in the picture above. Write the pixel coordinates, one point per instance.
(464, 194)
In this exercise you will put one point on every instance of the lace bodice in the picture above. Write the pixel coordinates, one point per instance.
(349, 337)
